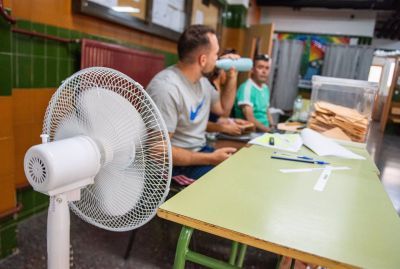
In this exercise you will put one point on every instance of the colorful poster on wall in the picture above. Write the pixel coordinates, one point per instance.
(314, 51)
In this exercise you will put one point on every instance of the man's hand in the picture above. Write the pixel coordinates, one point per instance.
(230, 126)
(231, 129)
(241, 121)
(220, 155)
(245, 126)
(230, 56)
(232, 73)
(248, 114)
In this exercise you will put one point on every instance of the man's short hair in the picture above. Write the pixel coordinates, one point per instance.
(193, 38)
(262, 57)
(229, 51)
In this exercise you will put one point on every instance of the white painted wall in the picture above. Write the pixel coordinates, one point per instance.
(320, 21)
(388, 44)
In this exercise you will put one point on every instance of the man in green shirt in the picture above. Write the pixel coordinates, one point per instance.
(252, 98)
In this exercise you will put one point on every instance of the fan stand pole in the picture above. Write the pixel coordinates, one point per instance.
(58, 225)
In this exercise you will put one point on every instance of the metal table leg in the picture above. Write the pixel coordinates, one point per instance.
(182, 247)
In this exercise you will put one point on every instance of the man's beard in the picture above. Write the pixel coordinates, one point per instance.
(208, 73)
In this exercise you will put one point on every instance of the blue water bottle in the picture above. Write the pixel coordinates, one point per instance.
(241, 64)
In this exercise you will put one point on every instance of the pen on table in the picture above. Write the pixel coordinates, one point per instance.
(292, 155)
(299, 160)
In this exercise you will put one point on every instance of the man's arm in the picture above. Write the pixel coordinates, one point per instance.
(184, 157)
(249, 115)
(227, 96)
(224, 105)
(272, 124)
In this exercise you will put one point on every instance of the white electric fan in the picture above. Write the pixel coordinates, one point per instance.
(105, 154)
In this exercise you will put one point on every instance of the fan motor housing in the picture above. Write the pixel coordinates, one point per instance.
(62, 165)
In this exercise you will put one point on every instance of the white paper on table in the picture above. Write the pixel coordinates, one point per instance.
(324, 146)
(302, 170)
(288, 142)
(323, 179)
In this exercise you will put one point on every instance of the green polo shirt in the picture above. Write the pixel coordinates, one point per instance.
(249, 93)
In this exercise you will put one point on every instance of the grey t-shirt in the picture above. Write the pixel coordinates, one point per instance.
(184, 106)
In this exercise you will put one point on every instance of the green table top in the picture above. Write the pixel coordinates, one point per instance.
(352, 222)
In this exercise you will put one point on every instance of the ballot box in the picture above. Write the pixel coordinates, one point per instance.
(342, 108)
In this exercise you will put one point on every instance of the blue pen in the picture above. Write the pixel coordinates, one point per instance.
(299, 160)
(292, 155)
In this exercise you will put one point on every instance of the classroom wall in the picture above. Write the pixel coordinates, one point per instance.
(30, 70)
(320, 21)
(253, 13)
(59, 13)
(233, 30)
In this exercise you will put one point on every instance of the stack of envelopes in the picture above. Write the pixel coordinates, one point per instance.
(328, 116)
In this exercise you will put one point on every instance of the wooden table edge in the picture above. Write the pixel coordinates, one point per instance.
(251, 241)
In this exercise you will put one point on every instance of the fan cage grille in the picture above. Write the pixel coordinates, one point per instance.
(151, 167)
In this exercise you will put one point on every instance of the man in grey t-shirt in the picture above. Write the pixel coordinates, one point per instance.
(185, 98)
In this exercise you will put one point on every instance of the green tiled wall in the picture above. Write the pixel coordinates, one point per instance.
(37, 62)
(5, 58)
(234, 16)
(32, 62)
(364, 40)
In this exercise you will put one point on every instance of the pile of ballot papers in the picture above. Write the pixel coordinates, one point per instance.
(342, 122)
